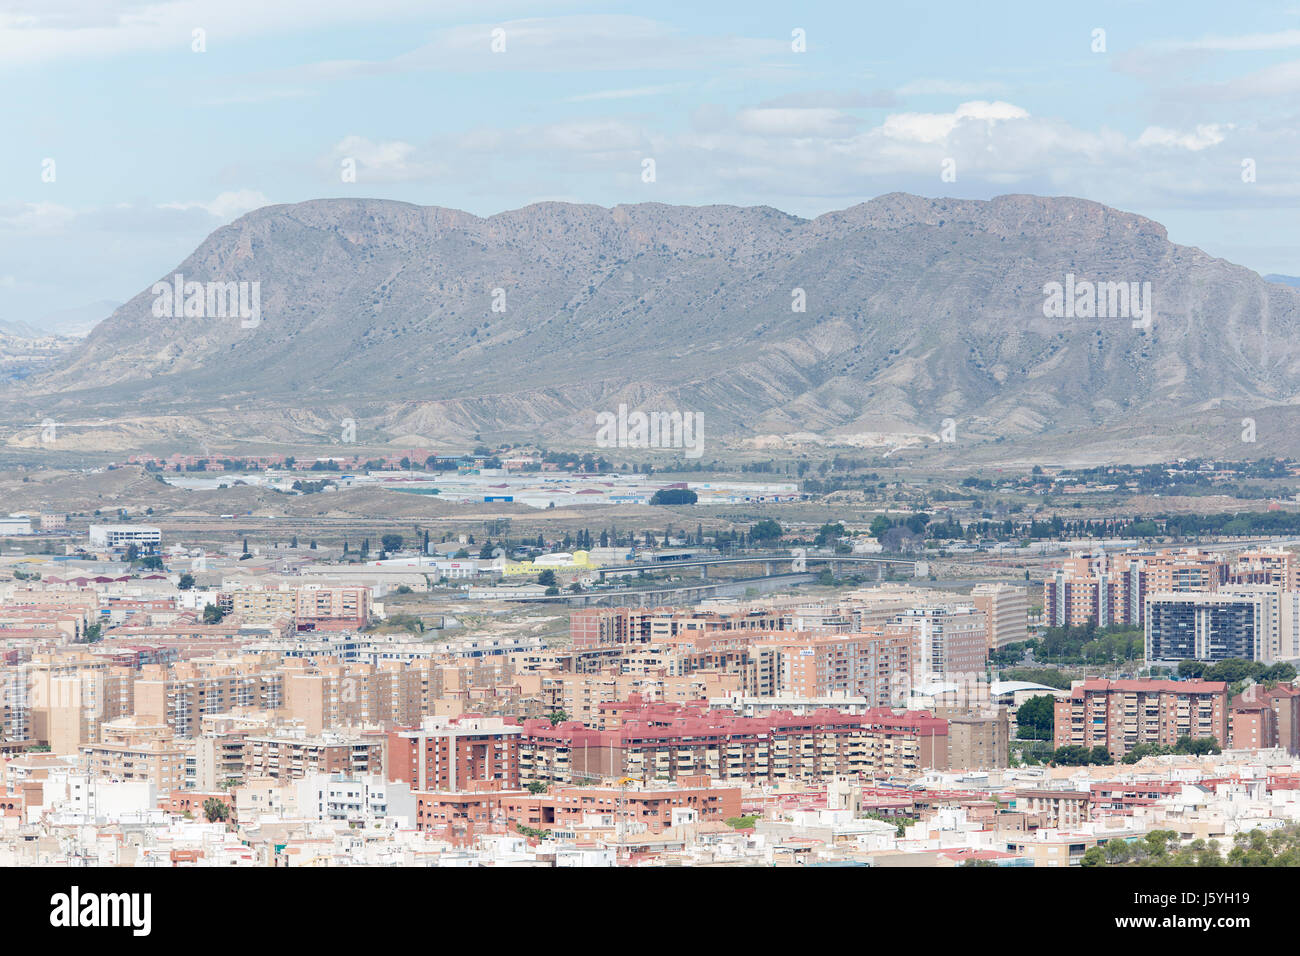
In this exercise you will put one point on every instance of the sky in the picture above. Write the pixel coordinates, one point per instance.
(129, 130)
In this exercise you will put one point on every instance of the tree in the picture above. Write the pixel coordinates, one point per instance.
(1233, 669)
(1074, 755)
(1036, 718)
(547, 578)
(674, 496)
(216, 811)
(828, 534)
(212, 614)
(537, 787)
(557, 717)
(899, 538)
(1199, 746)
(916, 523)
(1284, 672)
(1143, 750)
(1117, 851)
(1095, 856)
(186, 582)
(764, 532)
(391, 542)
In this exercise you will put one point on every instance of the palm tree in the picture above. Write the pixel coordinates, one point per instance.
(216, 811)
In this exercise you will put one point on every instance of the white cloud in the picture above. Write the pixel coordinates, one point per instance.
(1201, 138)
(585, 136)
(580, 43)
(34, 31)
(390, 161)
(35, 217)
(936, 127)
(796, 122)
(226, 206)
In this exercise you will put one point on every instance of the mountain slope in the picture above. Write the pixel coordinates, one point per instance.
(917, 310)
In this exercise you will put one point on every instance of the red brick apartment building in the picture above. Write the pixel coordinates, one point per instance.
(1119, 715)
(566, 806)
(451, 754)
(1267, 717)
(752, 750)
(1252, 726)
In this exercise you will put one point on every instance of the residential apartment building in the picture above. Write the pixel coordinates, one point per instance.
(448, 753)
(1267, 717)
(1119, 715)
(324, 694)
(946, 638)
(360, 799)
(562, 807)
(217, 752)
(294, 755)
(1115, 588)
(876, 665)
(777, 746)
(1252, 622)
(1055, 809)
(134, 749)
(1006, 613)
(1275, 567)
(182, 694)
(1252, 725)
(63, 697)
(306, 606)
(977, 741)
(597, 627)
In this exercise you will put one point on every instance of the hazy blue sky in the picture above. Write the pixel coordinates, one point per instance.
(154, 144)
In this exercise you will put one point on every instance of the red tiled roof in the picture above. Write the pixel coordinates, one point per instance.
(1153, 686)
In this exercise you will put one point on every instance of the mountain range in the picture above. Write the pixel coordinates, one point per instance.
(923, 328)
